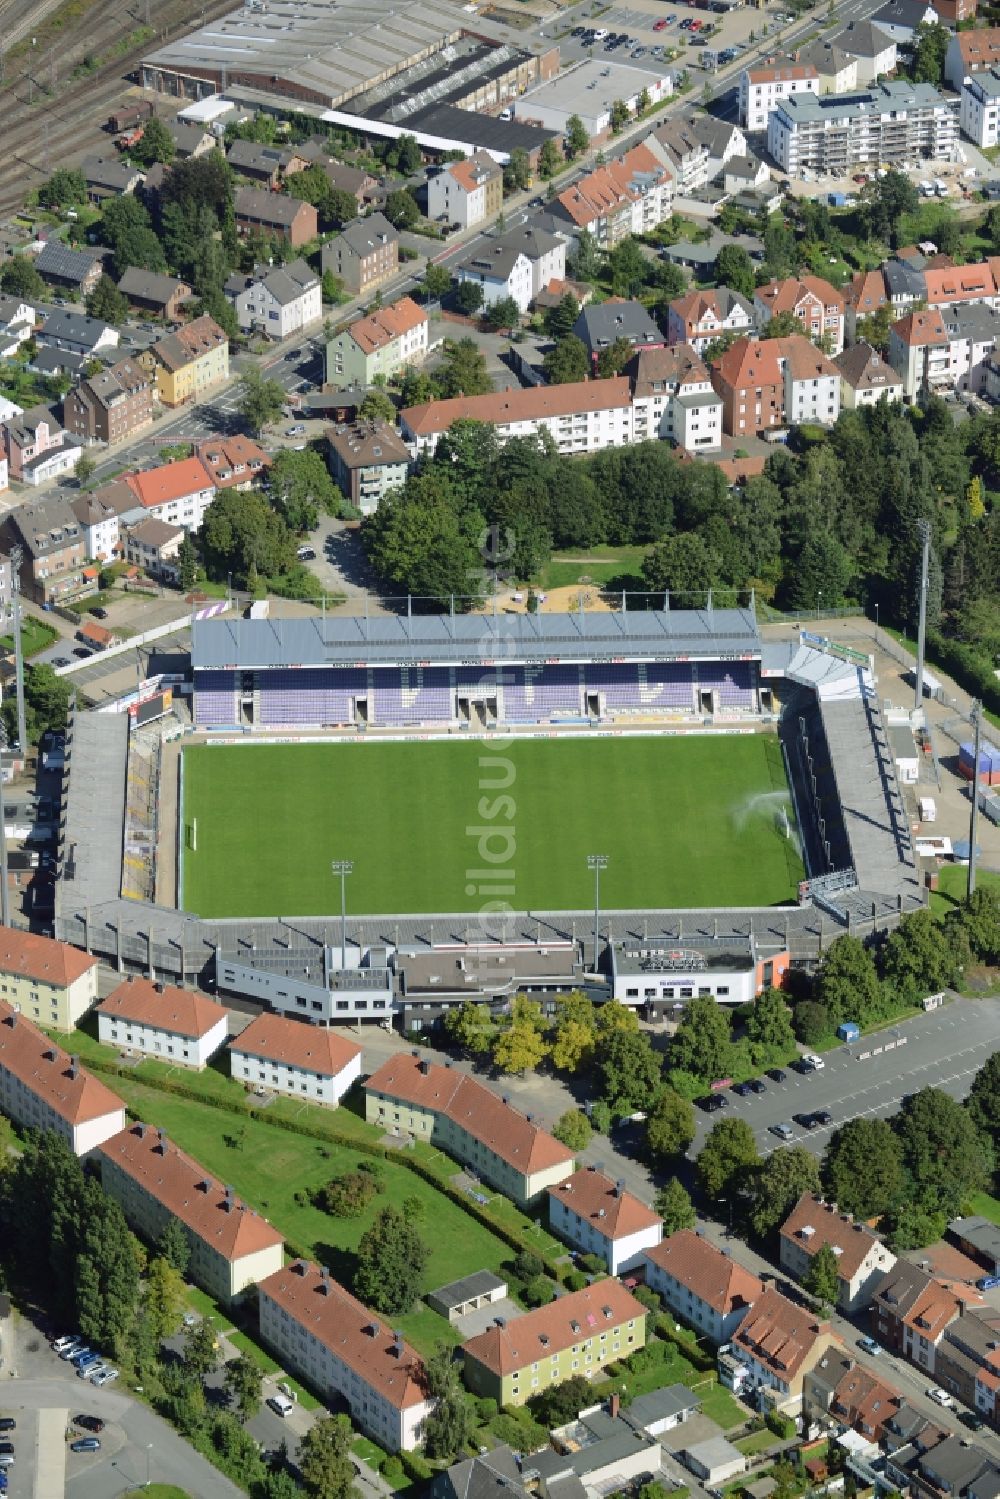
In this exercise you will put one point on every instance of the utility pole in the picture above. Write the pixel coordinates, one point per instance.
(4, 892)
(343, 867)
(597, 862)
(924, 527)
(976, 715)
(16, 555)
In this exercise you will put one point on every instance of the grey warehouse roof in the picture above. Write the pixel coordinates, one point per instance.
(474, 639)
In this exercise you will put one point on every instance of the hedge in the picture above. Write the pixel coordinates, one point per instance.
(416, 1468)
(666, 1328)
(969, 667)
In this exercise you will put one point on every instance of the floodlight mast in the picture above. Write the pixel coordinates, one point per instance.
(597, 862)
(343, 867)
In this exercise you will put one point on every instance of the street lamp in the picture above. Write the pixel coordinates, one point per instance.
(149, 1448)
(343, 867)
(597, 862)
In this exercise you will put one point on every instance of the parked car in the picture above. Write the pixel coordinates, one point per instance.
(757, 1085)
(869, 1345)
(812, 1063)
(660, 25)
(973, 1420)
(742, 1089)
(281, 1405)
(73, 1349)
(87, 1370)
(59, 1345)
(297, 431)
(306, 554)
(89, 1423)
(804, 1121)
(783, 1131)
(85, 1361)
(86, 1444)
(940, 1397)
(82, 652)
(714, 1102)
(106, 1376)
(776, 1074)
(98, 612)
(822, 1117)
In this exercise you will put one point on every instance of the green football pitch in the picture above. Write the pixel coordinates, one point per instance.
(451, 824)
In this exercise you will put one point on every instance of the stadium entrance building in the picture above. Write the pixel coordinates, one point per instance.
(661, 974)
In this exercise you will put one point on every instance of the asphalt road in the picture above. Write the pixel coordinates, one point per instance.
(944, 1049)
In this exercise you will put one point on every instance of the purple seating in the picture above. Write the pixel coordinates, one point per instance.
(532, 693)
(215, 701)
(309, 697)
(734, 681)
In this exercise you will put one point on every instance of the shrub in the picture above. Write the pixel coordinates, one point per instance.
(594, 1263)
(648, 1298)
(811, 1022)
(575, 1280)
(392, 1470)
(348, 1195)
(538, 1291)
(486, 1410)
(782, 1426)
(416, 1468)
(527, 1265)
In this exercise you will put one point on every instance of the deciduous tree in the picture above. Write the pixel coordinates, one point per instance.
(260, 399)
(863, 1167)
(107, 302)
(390, 1264)
(155, 144)
(448, 1427)
(769, 1028)
(702, 1044)
(943, 1155)
(576, 139)
(163, 1301)
(669, 1125)
(734, 268)
(325, 1459)
(437, 281)
(573, 1129)
(244, 1379)
(567, 361)
(848, 983)
(674, 1205)
(822, 1279)
(778, 1183)
(401, 209)
(628, 1071)
(727, 1156)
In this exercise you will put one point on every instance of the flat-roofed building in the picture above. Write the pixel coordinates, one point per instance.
(232, 1246)
(51, 982)
(577, 1334)
(979, 109)
(701, 1284)
(597, 1215)
(324, 1335)
(891, 123)
(409, 1094)
(276, 1054)
(42, 1087)
(175, 1025)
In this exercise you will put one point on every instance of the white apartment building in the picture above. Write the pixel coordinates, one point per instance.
(764, 87)
(157, 1020)
(920, 352)
(382, 343)
(322, 1334)
(888, 123)
(862, 1257)
(100, 521)
(276, 1054)
(178, 493)
(979, 109)
(278, 300)
(598, 1216)
(17, 320)
(702, 1285)
(517, 264)
(673, 399)
(580, 417)
(466, 192)
(232, 1246)
(41, 1087)
(53, 983)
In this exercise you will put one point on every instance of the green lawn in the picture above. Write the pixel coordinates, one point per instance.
(269, 1168)
(986, 1206)
(952, 885)
(720, 1406)
(685, 821)
(597, 566)
(758, 1441)
(35, 636)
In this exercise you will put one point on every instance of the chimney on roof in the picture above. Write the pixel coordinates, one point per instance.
(161, 1144)
(397, 1343)
(205, 1184)
(619, 1187)
(140, 1130)
(425, 1067)
(500, 1321)
(614, 1405)
(300, 1267)
(529, 1117)
(73, 1068)
(324, 1280)
(158, 987)
(228, 1204)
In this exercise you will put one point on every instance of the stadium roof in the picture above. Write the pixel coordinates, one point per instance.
(472, 639)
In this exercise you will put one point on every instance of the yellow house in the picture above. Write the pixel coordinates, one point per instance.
(414, 1096)
(577, 1334)
(188, 362)
(51, 982)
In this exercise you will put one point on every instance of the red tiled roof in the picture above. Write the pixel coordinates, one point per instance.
(779, 1334)
(477, 1109)
(715, 1278)
(50, 1073)
(611, 1212)
(550, 1329)
(919, 328)
(314, 1048)
(534, 404)
(187, 1191)
(963, 283)
(30, 956)
(180, 1011)
(979, 48)
(790, 294)
(866, 293)
(171, 481)
(232, 460)
(382, 327)
(782, 73)
(351, 1332)
(812, 1223)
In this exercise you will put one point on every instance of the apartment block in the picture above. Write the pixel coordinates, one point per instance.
(700, 317)
(968, 1361)
(363, 255)
(866, 378)
(158, 1020)
(979, 109)
(517, 264)
(42, 1087)
(232, 1246)
(411, 1095)
(841, 1391)
(111, 406)
(178, 493)
(277, 300)
(813, 302)
(920, 352)
(367, 460)
(702, 1285)
(580, 417)
(276, 1054)
(891, 123)
(910, 1312)
(764, 87)
(189, 362)
(629, 195)
(777, 1343)
(598, 1216)
(862, 1257)
(466, 192)
(768, 383)
(673, 399)
(49, 981)
(976, 50)
(578, 1334)
(276, 214)
(321, 1333)
(53, 545)
(381, 344)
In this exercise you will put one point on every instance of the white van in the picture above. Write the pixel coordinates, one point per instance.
(281, 1405)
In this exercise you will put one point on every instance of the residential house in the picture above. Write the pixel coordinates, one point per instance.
(190, 140)
(772, 382)
(899, 19)
(979, 1238)
(53, 548)
(598, 1216)
(968, 1361)
(155, 546)
(700, 317)
(973, 336)
(481, 1477)
(76, 333)
(37, 448)
(276, 214)
(4, 483)
(110, 406)
(905, 282)
(265, 164)
(42, 1087)
(979, 108)
(629, 195)
(73, 270)
(864, 296)
(580, 417)
(279, 300)
(189, 362)
(411, 1095)
(48, 981)
(837, 68)
(682, 150)
(598, 1453)
(232, 1246)
(58, 363)
(279, 1054)
(99, 513)
(601, 325)
(865, 378)
(722, 139)
(702, 1285)
(920, 350)
(178, 493)
(950, 12)
(96, 636)
(939, 1465)
(363, 255)
(970, 52)
(813, 302)
(873, 50)
(345, 1353)
(382, 343)
(179, 1026)
(466, 192)
(159, 296)
(673, 399)
(746, 177)
(517, 264)
(841, 1392)
(109, 177)
(579, 1333)
(960, 285)
(367, 459)
(361, 185)
(766, 84)
(862, 1257)
(235, 462)
(773, 1349)
(910, 1311)
(17, 322)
